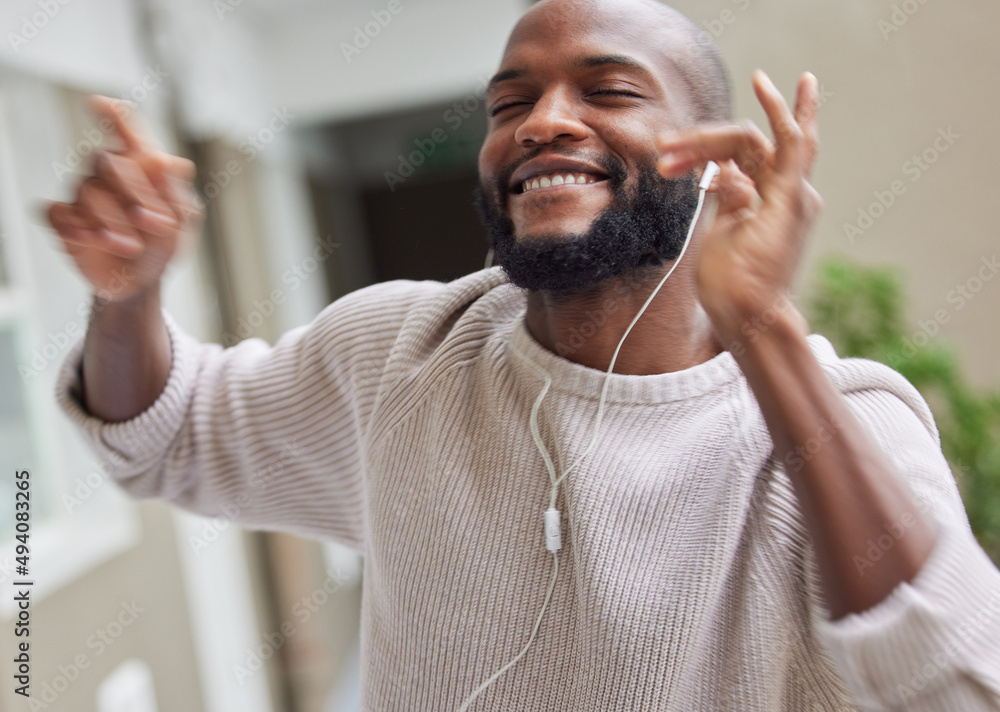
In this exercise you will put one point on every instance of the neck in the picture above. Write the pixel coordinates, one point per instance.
(674, 333)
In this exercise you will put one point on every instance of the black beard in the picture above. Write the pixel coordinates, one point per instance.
(634, 233)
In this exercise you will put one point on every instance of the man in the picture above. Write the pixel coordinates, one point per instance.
(748, 522)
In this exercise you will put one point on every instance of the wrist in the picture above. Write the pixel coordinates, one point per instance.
(772, 346)
(774, 317)
(135, 306)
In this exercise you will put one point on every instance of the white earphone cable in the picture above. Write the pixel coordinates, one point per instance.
(710, 171)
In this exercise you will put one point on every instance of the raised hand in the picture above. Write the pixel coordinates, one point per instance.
(131, 215)
(766, 205)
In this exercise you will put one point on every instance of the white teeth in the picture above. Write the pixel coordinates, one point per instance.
(552, 179)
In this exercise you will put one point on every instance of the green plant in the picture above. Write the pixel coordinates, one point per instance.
(860, 310)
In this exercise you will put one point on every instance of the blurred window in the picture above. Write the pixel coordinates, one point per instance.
(77, 520)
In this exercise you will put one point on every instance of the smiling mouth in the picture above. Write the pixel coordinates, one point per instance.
(556, 179)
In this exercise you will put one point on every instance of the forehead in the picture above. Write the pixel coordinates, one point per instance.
(552, 18)
(562, 34)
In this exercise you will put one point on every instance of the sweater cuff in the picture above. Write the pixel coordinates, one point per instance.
(938, 631)
(129, 446)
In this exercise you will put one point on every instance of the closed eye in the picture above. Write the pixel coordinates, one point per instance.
(615, 92)
(497, 109)
(599, 92)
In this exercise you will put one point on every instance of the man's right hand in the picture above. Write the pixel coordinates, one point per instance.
(126, 224)
(131, 215)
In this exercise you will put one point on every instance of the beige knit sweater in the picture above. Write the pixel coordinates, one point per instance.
(397, 423)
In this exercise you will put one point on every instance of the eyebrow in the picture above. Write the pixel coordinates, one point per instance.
(600, 60)
(504, 76)
(606, 59)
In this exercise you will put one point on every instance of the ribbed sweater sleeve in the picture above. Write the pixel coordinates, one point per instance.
(399, 413)
(269, 437)
(932, 644)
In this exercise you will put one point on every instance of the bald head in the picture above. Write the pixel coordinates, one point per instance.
(691, 51)
(569, 188)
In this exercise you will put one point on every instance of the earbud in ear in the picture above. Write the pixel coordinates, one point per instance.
(711, 170)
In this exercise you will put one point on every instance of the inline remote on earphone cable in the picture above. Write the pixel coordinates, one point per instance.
(552, 525)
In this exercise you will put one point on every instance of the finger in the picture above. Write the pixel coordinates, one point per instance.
(813, 203)
(99, 204)
(806, 115)
(179, 166)
(78, 231)
(70, 224)
(743, 143)
(142, 202)
(117, 112)
(735, 190)
(154, 163)
(187, 205)
(136, 141)
(171, 176)
(788, 136)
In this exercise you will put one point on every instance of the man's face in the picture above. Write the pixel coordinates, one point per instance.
(569, 189)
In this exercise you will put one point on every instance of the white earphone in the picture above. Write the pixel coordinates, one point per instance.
(711, 170)
(553, 527)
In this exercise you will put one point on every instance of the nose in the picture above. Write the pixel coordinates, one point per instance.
(553, 116)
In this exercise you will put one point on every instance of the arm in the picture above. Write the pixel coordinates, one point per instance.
(264, 437)
(931, 644)
(846, 486)
(126, 356)
(270, 438)
(847, 490)
(126, 224)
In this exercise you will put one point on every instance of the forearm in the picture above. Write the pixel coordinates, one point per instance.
(848, 491)
(126, 356)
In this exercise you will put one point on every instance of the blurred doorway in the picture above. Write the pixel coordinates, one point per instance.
(396, 192)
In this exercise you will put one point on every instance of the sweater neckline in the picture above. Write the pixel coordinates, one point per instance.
(576, 379)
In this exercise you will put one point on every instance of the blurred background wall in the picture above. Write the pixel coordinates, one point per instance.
(336, 144)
